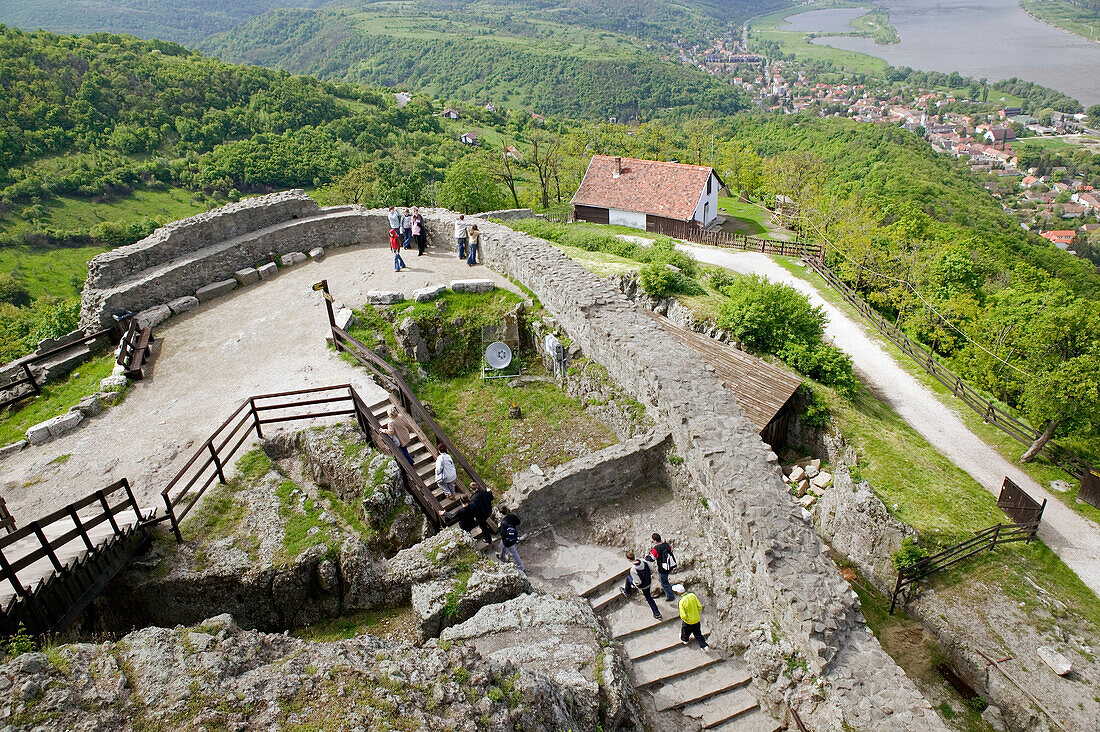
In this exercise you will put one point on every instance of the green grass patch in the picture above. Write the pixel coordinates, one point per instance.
(56, 398)
(751, 218)
(600, 263)
(796, 44)
(1077, 20)
(300, 522)
(347, 513)
(350, 626)
(474, 412)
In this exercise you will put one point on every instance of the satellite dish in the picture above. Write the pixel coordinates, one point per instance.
(498, 355)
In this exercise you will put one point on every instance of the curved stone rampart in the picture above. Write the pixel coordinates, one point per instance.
(777, 567)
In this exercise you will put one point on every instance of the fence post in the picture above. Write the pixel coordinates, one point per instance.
(256, 417)
(217, 462)
(30, 378)
(897, 589)
(996, 536)
(172, 518)
(107, 509)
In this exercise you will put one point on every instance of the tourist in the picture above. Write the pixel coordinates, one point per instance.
(406, 229)
(395, 219)
(474, 240)
(473, 514)
(419, 234)
(466, 516)
(395, 247)
(509, 536)
(640, 577)
(666, 562)
(445, 473)
(461, 233)
(482, 498)
(690, 611)
(399, 430)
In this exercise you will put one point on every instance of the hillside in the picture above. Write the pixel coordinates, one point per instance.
(511, 59)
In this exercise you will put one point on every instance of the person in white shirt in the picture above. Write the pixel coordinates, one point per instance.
(395, 220)
(461, 234)
(445, 473)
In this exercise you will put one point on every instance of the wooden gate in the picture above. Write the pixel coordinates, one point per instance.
(1018, 505)
(1090, 487)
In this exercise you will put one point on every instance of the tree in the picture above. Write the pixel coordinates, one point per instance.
(504, 168)
(545, 159)
(1094, 115)
(469, 186)
(741, 169)
(356, 186)
(13, 292)
(1067, 393)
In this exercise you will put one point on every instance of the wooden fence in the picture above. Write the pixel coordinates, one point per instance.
(28, 378)
(982, 540)
(727, 240)
(1018, 505)
(990, 411)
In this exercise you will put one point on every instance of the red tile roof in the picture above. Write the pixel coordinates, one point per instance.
(671, 190)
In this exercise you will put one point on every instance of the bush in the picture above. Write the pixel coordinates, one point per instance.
(767, 316)
(719, 277)
(817, 412)
(664, 251)
(825, 363)
(909, 555)
(657, 280)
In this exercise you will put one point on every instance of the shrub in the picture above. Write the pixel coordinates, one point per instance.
(824, 362)
(816, 413)
(767, 316)
(719, 277)
(909, 555)
(657, 280)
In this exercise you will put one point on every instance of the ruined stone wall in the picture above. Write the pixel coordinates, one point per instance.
(592, 480)
(776, 565)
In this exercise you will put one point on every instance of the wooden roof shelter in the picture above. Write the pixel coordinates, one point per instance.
(762, 389)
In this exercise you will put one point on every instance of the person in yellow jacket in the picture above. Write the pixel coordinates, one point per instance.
(690, 611)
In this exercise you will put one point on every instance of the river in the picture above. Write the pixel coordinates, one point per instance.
(991, 38)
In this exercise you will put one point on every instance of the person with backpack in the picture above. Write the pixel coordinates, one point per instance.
(640, 577)
(666, 562)
(445, 473)
(509, 536)
(690, 613)
(395, 247)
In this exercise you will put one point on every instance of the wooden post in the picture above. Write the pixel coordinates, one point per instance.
(256, 417)
(107, 511)
(897, 589)
(37, 529)
(323, 287)
(30, 379)
(996, 535)
(217, 462)
(10, 576)
(172, 518)
(80, 527)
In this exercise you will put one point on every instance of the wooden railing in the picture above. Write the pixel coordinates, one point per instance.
(71, 525)
(396, 384)
(210, 462)
(982, 540)
(111, 334)
(727, 240)
(990, 412)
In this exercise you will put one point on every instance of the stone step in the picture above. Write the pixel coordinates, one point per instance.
(700, 686)
(665, 638)
(722, 708)
(610, 599)
(634, 617)
(753, 720)
(602, 585)
(673, 663)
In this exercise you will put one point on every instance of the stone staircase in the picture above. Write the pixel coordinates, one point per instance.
(707, 686)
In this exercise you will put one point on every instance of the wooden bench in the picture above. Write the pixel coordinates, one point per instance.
(133, 351)
(7, 521)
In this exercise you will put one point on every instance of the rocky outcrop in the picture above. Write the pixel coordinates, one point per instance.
(216, 676)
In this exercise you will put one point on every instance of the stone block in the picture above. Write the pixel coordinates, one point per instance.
(89, 406)
(424, 294)
(345, 319)
(317, 254)
(63, 424)
(822, 480)
(247, 276)
(38, 434)
(113, 382)
(807, 500)
(796, 474)
(215, 289)
(811, 470)
(802, 486)
(13, 448)
(267, 271)
(473, 286)
(384, 297)
(183, 304)
(154, 316)
(293, 258)
(109, 398)
(49, 344)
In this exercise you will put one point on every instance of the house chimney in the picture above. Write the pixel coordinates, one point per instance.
(618, 166)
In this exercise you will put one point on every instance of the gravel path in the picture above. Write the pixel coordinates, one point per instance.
(261, 339)
(1073, 537)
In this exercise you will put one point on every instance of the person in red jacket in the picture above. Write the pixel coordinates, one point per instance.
(395, 245)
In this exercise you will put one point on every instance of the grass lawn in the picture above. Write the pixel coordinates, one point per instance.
(56, 271)
(1045, 143)
(56, 398)
(1066, 16)
(753, 218)
(1040, 470)
(554, 428)
(600, 263)
(773, 27)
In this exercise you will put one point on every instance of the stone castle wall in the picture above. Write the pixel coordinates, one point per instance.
(776, 565)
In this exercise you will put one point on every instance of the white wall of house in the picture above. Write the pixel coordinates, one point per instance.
(626, 218)
(707, 210)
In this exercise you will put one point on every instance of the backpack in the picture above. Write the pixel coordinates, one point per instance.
(645, 574)
(666, 560)
(510, 535)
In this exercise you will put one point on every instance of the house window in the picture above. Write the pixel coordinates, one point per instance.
(708, 184)
(706, 210)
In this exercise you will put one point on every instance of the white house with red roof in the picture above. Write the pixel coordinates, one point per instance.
(645, 193)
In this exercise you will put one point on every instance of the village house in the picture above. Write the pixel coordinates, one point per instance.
(450, 113)
(1061, 238)
(645, 194)
(468, 138)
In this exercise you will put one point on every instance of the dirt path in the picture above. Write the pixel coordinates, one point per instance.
(1073, 537)
(261, 339)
